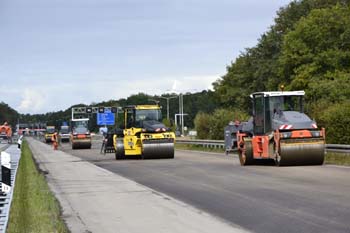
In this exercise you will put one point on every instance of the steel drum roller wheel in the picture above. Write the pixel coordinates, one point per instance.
(157, 150)
(293, 154)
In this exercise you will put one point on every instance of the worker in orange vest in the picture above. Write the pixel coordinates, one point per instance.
(54, 140)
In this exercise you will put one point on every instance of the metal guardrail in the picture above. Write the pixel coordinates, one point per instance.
(221, 144)
(204, 143)
(6, 198)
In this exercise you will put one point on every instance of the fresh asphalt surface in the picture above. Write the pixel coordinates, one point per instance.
(257, 198)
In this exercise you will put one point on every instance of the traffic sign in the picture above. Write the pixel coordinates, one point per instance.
(101, 109)
(106, 118)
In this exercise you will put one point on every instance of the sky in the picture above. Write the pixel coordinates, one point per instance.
(57, 53)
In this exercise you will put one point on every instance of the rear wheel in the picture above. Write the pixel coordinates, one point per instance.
(245, 154)
(119, 150)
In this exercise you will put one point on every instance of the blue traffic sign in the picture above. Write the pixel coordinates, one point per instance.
(106, 118)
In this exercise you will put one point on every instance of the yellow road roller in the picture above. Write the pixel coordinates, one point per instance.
(144, 135)
(50, 130)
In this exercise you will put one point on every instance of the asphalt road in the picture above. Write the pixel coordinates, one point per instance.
(257, 198)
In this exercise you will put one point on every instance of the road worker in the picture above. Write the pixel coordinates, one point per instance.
(54, 140)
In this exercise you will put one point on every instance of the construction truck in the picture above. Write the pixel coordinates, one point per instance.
(64, 134)
(50, 130)
(80, 137)
(143, 135)
(6, 133)
(279, 131)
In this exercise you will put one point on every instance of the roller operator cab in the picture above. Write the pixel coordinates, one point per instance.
(280, 131)
(144, 135)
(50, 130)
(80, 136)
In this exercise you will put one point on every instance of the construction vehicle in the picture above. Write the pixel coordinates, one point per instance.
(144, 135)
(279, 131)
(6, 133)
(64, 134)
(80, 136)
(230, 135)
(50, 130)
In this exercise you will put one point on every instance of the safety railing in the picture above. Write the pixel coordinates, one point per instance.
(204, 143)
(339, 148)
(9, 164)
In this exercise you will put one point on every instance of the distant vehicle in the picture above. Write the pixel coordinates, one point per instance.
(50, 130)
(21, 128)
(6, 133)
(64, 134)
(80, 136)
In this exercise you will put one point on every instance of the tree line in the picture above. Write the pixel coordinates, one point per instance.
(307, 48)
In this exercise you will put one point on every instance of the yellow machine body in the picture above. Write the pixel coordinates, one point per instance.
(50, 130)
(143, 135)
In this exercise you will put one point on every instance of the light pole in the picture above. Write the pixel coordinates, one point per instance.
(167, 103)
(181, 112)
(155, 101)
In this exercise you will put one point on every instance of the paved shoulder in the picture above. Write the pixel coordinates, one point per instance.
(96, 200)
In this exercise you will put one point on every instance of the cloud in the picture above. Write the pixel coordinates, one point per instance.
(173, 88)
(61, 93)
(194, 83)
(32, 101)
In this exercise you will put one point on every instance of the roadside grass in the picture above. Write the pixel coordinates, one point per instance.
(338, 158)
(34, 208)
(330, 158)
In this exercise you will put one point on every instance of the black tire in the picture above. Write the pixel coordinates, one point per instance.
(119, 156)
(119, 150)
(246, 158)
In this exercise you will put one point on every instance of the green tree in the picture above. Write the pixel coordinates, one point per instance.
(316, 55)
(221, 118)
(211, 126)
(201, 122)
(337, 120)
(8, 114)
(258, 68)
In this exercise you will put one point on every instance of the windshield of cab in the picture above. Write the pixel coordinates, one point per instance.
(64, 130)
(80, 130)
(278, 104)
(135, 118)
(50, 130)
(148, 115)
(77, 124)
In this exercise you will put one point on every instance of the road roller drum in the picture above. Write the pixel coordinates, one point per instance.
(158, 150)
(302, 152)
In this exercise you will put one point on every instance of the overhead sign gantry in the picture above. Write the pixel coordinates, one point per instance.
(105, 115)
